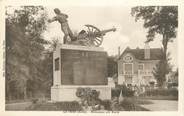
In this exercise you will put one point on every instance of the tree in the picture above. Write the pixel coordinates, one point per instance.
(162, 20)
(158, 72)
(24, 47)
(53, 44)
(111, 66)
(176, 74)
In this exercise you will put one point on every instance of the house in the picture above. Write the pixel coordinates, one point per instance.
(135, 66)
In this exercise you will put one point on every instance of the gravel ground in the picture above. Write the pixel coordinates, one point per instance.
(162, 105)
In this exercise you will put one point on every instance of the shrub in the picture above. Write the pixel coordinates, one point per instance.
(115, 92)
(34, 101)
(106, 104)
(172, 85)
(127, 92)
(174, 92)
(89, 98)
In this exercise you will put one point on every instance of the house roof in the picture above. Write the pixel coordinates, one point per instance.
(155, 53)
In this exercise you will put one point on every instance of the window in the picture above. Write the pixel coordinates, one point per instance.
(56, 64)
(140, 67)
(128, 58)
(128, 68)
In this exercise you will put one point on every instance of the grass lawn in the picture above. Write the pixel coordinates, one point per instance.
(19, 106)
(133, 104)
(129, 104)
(159, 97)
(138, 101)
(59, 106)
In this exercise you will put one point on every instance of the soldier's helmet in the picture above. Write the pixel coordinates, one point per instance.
(57, 11)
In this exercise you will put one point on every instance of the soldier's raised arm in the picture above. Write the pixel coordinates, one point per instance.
(52, 20)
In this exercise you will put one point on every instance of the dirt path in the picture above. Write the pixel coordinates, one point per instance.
(162, 105)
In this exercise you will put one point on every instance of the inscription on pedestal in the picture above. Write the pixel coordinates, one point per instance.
(80, 67)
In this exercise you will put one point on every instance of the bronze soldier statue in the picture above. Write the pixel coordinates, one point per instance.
(62, 19)
(92, 37)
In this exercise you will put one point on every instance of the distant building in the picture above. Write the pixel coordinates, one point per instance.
(135, 66)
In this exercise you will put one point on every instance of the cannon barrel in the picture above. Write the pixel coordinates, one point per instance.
(92, 36)
(103, 32)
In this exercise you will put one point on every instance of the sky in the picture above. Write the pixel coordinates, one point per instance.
(128, 33)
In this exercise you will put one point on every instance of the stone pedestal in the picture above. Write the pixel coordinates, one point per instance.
(67, 93)
(79, 66)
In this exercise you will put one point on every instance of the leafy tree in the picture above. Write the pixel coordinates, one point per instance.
(111, 66)
(162, 20)
(158, 72)
(24, 50)
(176, 74)
(53, 43)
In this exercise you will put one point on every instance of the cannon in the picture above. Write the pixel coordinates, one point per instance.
(92, 36)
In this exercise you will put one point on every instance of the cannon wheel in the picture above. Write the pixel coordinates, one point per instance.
(93, 40)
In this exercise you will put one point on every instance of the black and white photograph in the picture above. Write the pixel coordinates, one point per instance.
(91, 59)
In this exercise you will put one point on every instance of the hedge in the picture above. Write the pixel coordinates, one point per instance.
(125, 91)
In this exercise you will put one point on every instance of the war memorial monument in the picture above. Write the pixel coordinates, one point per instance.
(79, 62)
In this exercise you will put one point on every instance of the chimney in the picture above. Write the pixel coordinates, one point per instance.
(146, 51)
(118, 51)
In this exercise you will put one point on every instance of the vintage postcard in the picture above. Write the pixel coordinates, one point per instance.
(91, 57)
